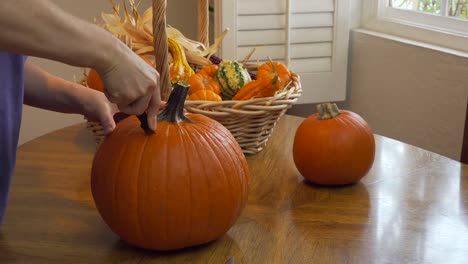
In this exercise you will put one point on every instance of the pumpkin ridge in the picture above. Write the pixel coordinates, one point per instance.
(116, 207)
(241, 203)
(207, 180)
(275, 79)
(233, 162)
(166, 188)
(139, 170)
(129, 178)
(209, 146)
(181, 131)
(356, 128)
(234, 155)
(363, 129)
(223, 134)
(113, 182)
(95, 183)
(341, 122)
(360, 131)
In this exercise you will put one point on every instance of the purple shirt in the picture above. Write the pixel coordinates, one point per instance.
(11, 102)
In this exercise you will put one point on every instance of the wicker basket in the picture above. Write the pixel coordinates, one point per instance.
(251, 122)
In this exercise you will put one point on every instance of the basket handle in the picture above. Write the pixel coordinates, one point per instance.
(160, 46)
(203, 21)
(160, 39)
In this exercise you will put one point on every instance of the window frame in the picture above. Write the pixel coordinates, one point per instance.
(445, 32)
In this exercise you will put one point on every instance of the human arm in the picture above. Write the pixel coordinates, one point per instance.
(46, 91)
(42, 29)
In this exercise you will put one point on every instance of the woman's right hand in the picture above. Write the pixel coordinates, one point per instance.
(132, 84)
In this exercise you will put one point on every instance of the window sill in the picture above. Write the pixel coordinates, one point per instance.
(424, 30)
(439, 41)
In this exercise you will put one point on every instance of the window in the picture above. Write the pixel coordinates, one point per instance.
(443, 23)
(311, 37)
(448, 8)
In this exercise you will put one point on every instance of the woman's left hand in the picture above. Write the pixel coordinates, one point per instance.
(98, 108)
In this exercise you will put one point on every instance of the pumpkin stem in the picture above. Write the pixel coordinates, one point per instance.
(174, 110)
(327, 111)
(275, 71)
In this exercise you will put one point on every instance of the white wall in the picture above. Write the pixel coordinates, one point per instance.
(180, 14)
(413, 94)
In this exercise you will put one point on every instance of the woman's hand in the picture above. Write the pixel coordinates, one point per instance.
(96, 107)
(132, 85)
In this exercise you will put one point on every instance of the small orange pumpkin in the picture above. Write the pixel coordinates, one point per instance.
(205, 95)
(276, 74)
(204, 79)
(94, 81)
(333, 147)
(182, 186)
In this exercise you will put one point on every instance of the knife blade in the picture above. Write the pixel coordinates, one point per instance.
(230, 260)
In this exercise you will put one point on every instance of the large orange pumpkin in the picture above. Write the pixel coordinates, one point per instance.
(333, 147)
(182, 186)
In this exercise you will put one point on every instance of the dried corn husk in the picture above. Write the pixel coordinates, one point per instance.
(136, 31)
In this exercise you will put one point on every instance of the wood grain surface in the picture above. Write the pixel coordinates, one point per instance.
(412, 207)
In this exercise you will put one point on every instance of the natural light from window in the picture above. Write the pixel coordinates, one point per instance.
(449, 8)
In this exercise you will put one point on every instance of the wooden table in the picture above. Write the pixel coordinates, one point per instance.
(412, 207)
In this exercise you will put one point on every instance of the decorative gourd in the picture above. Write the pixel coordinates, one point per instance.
(94, 81)
(184, 185)
(333, 147)
(205, 95)
(204, 79)
(271, 77)
(179, 69)
(231, 75)
(249, 90)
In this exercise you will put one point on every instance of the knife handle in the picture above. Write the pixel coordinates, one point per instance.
(144, 123)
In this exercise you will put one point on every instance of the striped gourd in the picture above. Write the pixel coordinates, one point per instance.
(231, 76)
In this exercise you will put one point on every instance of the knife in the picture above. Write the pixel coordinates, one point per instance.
(230, 260)
(144, 123)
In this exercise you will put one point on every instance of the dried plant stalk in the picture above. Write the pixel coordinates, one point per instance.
(136, 31)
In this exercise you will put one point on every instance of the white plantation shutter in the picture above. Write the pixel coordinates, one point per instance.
(310, 36)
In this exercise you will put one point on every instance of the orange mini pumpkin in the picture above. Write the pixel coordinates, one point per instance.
(94, 81)
(205, 95)
(275, 74)
(333, 147)
(204, 79)
(184, 185)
